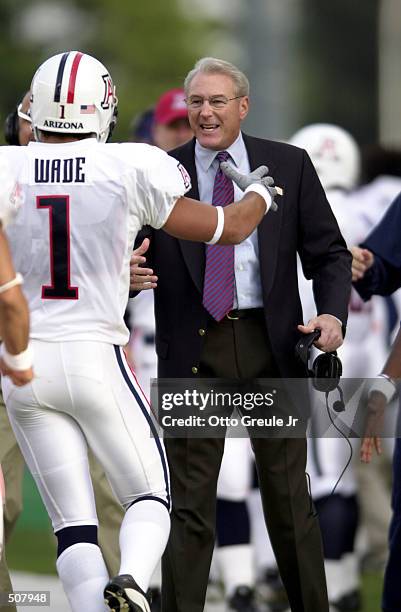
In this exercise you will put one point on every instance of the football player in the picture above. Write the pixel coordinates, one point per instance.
(15, 356)
(336, 157)
(18, 131)
(83, 204)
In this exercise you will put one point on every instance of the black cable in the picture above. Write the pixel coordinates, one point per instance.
(345, 438)
(312, 510)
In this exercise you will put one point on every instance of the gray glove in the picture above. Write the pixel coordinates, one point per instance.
(260, 175)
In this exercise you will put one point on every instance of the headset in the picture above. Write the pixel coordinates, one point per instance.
(11, 128)
(325, 375)
(326, 369)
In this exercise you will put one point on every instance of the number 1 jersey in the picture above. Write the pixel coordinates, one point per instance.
(82, 204)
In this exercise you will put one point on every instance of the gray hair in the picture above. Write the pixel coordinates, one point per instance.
(212, 65)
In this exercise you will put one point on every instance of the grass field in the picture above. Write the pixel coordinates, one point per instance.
(33, 547)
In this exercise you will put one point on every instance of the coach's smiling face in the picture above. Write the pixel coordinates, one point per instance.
(216, 126)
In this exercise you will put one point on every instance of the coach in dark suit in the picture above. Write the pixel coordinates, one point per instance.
(254, 339)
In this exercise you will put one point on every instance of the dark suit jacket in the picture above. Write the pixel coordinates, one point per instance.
(384, 277)
(304, 223)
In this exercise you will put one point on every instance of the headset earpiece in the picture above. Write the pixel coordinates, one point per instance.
(325, 374)
(326, 369)
(11, 128)
(113, 124)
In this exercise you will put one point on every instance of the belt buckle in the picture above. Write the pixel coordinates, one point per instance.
(230, 317)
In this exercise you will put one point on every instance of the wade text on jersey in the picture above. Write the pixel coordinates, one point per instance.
(60, 170)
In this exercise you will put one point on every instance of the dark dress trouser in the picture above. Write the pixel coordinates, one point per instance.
(240, 349)
(392, 585)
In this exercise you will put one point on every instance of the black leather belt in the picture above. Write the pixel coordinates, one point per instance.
(246, 313)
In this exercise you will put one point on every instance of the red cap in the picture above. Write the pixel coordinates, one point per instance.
(171, 106)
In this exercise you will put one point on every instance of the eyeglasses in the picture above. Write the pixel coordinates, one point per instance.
(23, 115)
(216, 102)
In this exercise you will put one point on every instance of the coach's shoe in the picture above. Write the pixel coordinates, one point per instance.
(351, 602)
(155, 597)
(270, 592)
(243, 600)
(123, 594)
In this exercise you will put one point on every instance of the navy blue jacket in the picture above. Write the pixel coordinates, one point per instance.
(304, 223)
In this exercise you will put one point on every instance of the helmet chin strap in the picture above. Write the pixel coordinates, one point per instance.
(103, 137)
(36, 133)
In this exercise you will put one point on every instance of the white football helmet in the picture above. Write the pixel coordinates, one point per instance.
(334, 153)
(73, 93)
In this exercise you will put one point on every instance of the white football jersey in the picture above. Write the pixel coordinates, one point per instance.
(82, 205)
(371, 201)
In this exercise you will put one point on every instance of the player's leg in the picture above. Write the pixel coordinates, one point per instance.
(234, 552)
(13, 468)
(125, 441)
(110, 515)
(337, 513)
(270, 590)
(55, 450)
(142, 353)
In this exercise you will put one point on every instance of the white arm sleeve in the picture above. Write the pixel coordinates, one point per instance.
(163, 181)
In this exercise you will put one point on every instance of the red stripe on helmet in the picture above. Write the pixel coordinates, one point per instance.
(73, 76)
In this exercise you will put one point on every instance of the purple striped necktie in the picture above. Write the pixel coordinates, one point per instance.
(218, 289)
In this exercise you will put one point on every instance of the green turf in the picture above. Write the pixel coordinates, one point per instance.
(372, 586)
(32, 547)
(32, 551)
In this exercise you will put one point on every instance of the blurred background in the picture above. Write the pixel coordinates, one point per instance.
(307, 61)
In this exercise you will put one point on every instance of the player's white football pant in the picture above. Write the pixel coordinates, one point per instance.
(85, 392)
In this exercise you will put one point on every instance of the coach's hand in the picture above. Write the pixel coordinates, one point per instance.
(141, 278)
(331, 336)
(259, 176)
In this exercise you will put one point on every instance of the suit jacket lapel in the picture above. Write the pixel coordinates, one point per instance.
(269, 228)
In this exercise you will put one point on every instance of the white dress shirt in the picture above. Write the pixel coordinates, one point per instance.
(248, 289)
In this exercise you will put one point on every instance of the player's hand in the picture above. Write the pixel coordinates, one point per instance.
(260, 176)
(141, 278)
(374, 423)
(18, 377)
(331, 335)
(362, 260)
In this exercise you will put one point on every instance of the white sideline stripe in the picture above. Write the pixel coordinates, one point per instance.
(58, 602)
(41, 582)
